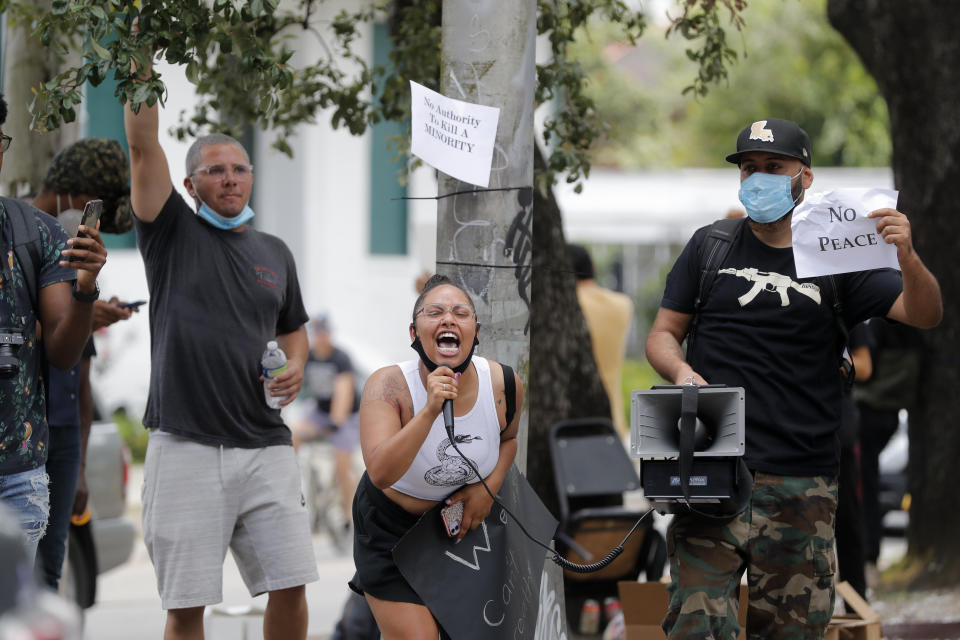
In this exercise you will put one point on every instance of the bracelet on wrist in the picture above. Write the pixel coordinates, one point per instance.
(86, 297)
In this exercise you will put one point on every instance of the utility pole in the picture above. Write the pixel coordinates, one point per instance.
(485, 236)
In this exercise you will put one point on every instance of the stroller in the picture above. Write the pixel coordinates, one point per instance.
(592, 470)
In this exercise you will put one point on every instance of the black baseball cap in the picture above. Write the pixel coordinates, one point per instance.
(774, 135)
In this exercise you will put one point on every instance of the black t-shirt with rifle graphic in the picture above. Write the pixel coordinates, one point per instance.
(773, 334)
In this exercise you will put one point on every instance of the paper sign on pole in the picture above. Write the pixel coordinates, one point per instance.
(453, 136)
(832, 233)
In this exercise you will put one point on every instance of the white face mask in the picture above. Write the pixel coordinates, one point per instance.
(70, 218)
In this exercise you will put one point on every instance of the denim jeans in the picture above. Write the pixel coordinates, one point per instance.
(63, 466)
(26, 493)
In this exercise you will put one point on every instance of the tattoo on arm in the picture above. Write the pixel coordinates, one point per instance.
(390, 390)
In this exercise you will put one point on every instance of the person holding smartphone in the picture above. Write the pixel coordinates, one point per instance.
(410, 459)
(48, 284)
(89, 176)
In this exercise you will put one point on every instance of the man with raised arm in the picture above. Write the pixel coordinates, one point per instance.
(220, 469)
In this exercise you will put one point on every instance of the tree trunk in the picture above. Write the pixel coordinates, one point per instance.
(564, 380)
(912, 51)
(28, 64)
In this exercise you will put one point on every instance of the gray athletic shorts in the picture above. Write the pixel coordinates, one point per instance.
(199, 499)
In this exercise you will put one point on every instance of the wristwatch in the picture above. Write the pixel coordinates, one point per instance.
(85, 297)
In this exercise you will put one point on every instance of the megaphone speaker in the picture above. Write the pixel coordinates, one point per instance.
(718, 443)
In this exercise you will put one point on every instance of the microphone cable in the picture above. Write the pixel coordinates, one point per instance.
(556, 557)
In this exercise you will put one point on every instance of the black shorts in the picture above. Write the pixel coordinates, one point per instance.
(378, 525)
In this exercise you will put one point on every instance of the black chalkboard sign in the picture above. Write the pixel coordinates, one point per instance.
(488, 585)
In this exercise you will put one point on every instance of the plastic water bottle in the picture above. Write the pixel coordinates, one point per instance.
(274, 362)
(590, 617)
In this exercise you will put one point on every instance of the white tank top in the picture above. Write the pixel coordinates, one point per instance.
(438, 469)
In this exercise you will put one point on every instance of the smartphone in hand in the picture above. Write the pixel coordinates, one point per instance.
(452, 516)
(132, 305)
(91, 215)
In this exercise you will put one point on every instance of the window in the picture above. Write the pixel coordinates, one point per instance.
(388, 212)
(105, 120)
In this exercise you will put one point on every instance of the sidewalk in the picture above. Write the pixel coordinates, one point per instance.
(128, 606)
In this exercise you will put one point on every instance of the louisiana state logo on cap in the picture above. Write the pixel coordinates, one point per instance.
(758, 131)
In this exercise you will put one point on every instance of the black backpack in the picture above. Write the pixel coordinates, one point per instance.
(26, 244)
(714, 250)
(26, 248)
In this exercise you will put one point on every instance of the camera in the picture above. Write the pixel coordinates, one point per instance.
(10, 341)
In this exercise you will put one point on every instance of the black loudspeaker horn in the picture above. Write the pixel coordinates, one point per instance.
(718, 443)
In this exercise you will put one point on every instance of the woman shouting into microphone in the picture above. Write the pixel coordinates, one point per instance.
(409, 453)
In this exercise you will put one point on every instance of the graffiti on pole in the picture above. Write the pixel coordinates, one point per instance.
(519, 246)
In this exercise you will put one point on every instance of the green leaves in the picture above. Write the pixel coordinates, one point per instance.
(100, 50)
(700, 21)
(573, 124)
(237, 55)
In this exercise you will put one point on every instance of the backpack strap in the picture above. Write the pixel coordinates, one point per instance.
(26, 248)
(26, 245)
(510, 391)
(836, 306)
(712, 253)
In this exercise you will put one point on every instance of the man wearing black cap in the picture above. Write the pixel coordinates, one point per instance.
(783, 352)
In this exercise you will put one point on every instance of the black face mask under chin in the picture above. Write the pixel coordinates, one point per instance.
(417, 346)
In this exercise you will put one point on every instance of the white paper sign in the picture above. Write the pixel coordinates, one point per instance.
(453, 136)
(832, 233)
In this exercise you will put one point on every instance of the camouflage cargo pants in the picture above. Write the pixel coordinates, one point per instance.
(783, 540)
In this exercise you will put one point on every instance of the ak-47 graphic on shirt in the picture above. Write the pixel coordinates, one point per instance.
(772, 282)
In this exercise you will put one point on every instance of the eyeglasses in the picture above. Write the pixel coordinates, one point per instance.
(218, 172)
(435, 311)
(5, 141)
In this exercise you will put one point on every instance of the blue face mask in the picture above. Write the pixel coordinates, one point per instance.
(767, 197)
(221, 222)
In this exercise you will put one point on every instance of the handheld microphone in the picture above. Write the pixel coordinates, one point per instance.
(448, 413)
(448, 417)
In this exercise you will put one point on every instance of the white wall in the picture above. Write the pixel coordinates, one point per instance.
(319, 203)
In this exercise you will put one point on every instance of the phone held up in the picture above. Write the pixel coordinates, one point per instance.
(91, 215)
(452, 515)
(132, 305)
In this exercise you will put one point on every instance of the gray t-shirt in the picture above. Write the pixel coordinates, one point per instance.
(216, 298)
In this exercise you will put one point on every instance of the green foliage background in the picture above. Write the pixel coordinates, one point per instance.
(794, 65)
